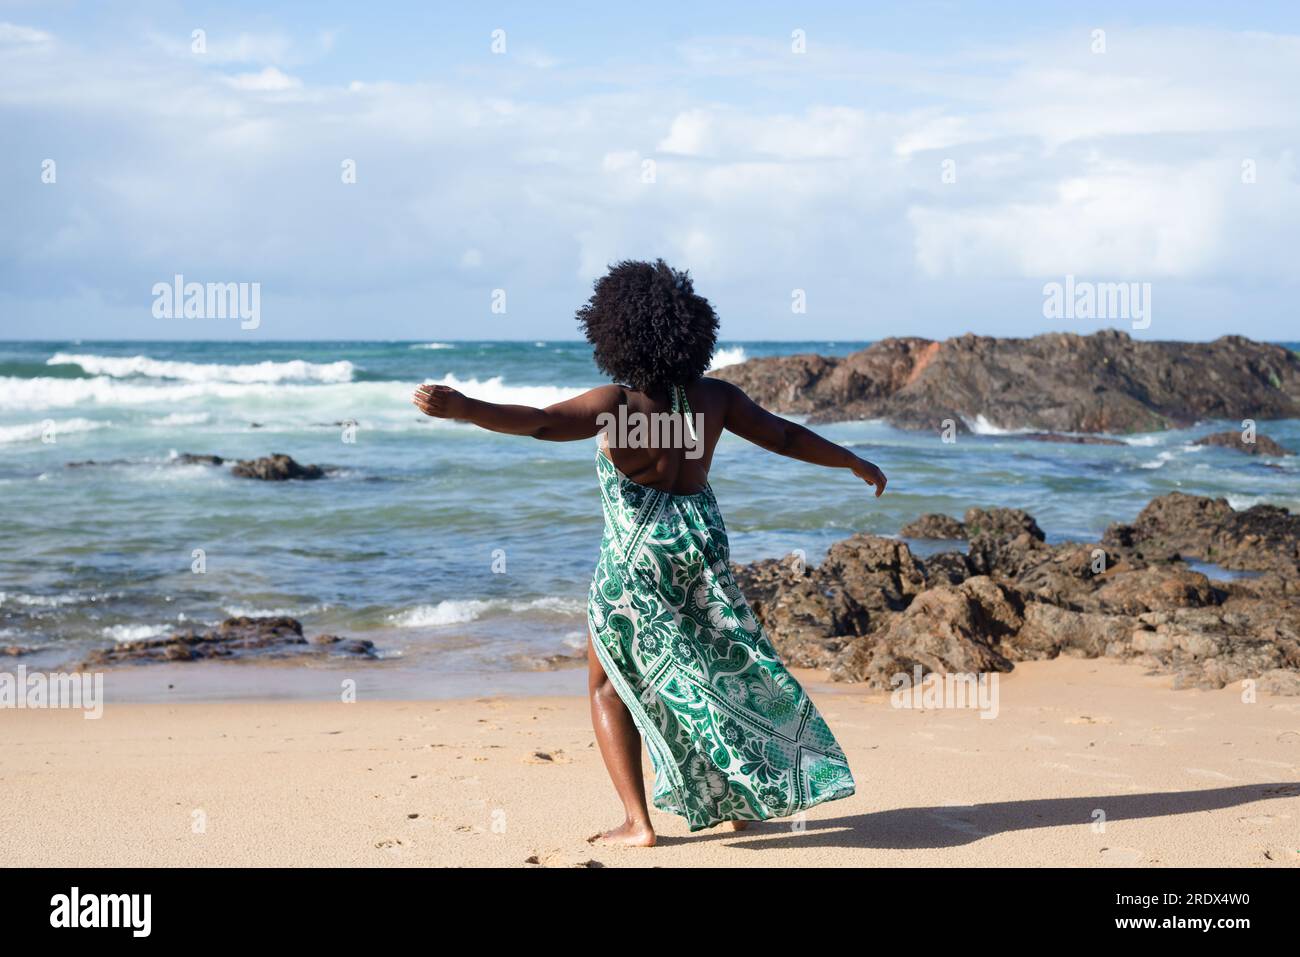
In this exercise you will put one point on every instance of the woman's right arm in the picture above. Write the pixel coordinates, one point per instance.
(751, 421)
(576, 418)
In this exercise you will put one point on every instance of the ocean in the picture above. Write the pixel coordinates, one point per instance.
(464, 556)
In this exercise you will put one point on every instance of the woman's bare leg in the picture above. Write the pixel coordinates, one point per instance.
(620, 746)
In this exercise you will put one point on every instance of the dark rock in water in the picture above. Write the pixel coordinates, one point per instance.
(1002, 522)
(13, 651)
(89, 463)
(346, 646)
(276, 467)
(1012, 597)
(1069, 439)
(933, 525)
(1262, 445)
(1259, 538)
(274, 637)
(1058, 382)
(190, 458)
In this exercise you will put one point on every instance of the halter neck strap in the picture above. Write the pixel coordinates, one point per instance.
(681, 405)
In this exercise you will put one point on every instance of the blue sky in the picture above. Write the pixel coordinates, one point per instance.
(918, 169)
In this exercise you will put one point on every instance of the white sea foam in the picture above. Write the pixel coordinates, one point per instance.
(1243, 502)
(448, 612)
(495, 390)
(249, 611)
(290, 400)
(728, 356)
(461, 611)
(52, 601)
(433, 345)
(982, 426)
(123, 367)
(135, 632)
(1159, 460)
(181, 418)
(36, 430)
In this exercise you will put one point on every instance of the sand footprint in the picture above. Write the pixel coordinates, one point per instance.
(548, 757)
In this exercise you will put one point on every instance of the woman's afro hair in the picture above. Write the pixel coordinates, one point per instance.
(648, 327)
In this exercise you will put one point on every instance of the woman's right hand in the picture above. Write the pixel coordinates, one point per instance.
(439, 401)
(871, 475)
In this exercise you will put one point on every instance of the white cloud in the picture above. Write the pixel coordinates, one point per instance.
(269, 80)
(13, 35)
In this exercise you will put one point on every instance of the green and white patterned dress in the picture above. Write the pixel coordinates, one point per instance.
(731, 733)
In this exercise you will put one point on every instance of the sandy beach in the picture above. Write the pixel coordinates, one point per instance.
(1182, 778)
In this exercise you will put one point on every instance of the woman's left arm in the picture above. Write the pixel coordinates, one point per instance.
(575, 418)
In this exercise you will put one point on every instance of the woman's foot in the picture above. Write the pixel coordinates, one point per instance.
(739, 825)
(627, 834)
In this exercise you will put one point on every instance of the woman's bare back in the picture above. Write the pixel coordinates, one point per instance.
(671, 456)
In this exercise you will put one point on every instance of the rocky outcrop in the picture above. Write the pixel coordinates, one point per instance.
(947, 628)
(276, 467)
(1262, 444)
(934, 525)
(816, 612)
(872, 610)
(1053, 383)
(274, 637)
(1262, 537)
(190, 458)
(1002, 522)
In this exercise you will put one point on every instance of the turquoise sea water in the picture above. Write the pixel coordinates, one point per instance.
(404, 542)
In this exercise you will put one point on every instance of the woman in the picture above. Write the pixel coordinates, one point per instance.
(674, 651)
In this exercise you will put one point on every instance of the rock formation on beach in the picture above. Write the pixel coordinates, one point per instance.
(1000, 522)
(872, 609)
(1262, 445)
(1052, 383)
(265, 637)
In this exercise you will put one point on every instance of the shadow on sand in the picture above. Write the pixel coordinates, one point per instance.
(934, 827)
